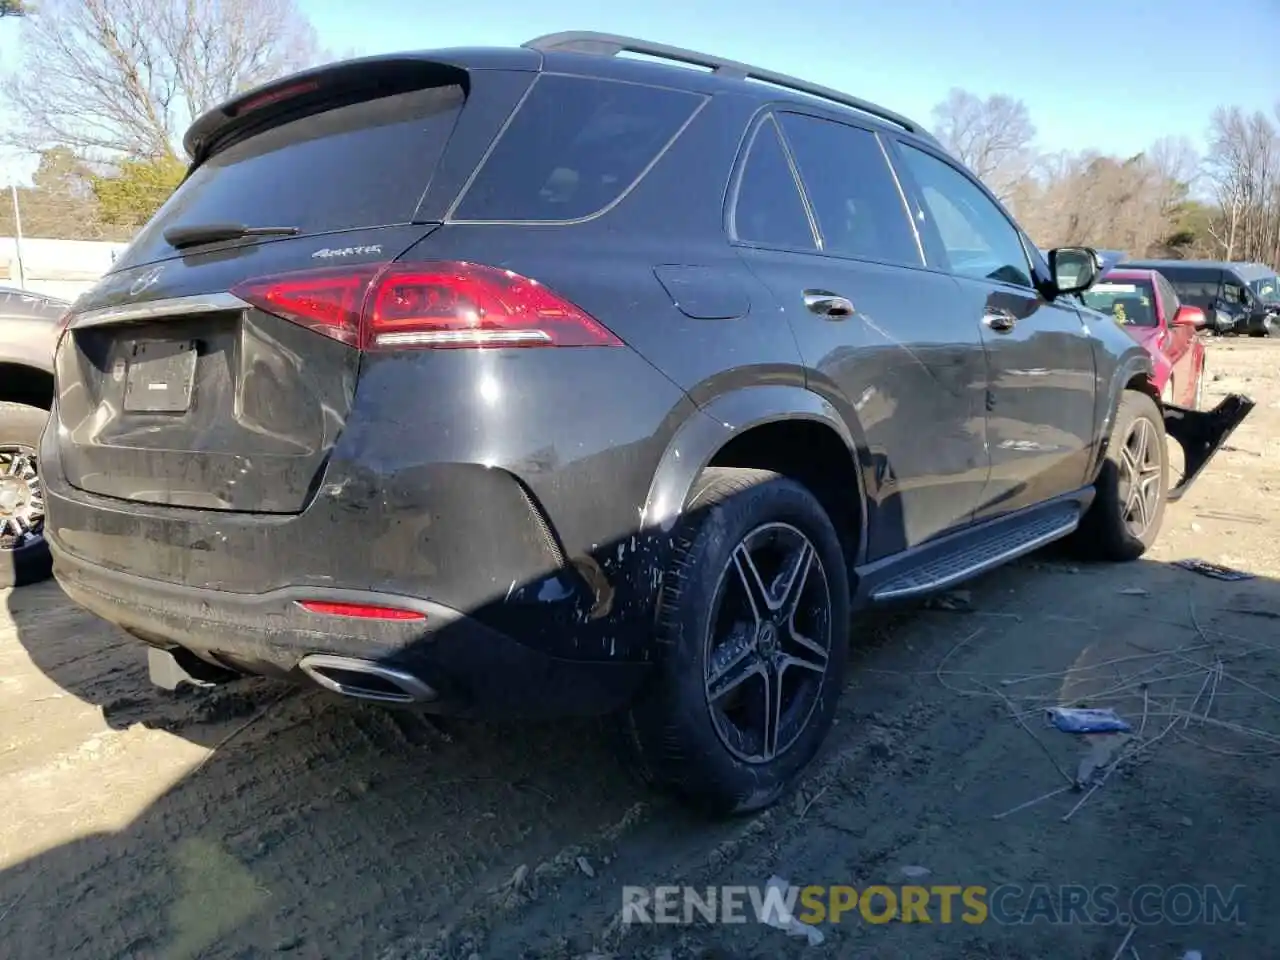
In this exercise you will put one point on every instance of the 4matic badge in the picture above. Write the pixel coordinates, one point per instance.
(330, 252)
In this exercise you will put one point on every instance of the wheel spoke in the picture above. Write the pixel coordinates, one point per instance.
(793, 585)
(1140, 502)
(816, 664)
(749, 576)
(1142, 435)
(1132, 495)
(772, 716)
(736, 666)
(810, 653)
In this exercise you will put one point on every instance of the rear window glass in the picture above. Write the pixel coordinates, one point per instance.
(575, 146)
(361, 165)
(1196, 287)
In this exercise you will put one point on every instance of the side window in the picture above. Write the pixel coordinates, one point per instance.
(574, 146)
(769, 210)
(850, 186)
(1232, 290)
(1196, 287)
(980, 241)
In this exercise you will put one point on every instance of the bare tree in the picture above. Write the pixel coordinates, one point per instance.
(1243, 170)
(994, 137)
(111, 78)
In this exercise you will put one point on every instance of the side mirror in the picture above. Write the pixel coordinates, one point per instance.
(1189, 316)
(1074, 269)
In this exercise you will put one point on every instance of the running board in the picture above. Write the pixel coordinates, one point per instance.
(957, 557)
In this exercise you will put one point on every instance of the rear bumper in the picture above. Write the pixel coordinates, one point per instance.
(471, 668)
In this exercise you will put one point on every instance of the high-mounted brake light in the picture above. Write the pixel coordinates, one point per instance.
(362, 611)
(275, 96)
(427, 305)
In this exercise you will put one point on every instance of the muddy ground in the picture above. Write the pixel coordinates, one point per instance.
(258, 820)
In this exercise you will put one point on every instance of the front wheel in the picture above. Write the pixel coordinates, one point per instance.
(24, 555)
(1124, 519)
(754, 628)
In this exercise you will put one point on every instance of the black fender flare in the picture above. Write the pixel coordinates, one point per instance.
(697, 440)
(1132, 363)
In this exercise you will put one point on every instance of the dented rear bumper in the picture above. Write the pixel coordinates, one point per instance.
(1201, 433)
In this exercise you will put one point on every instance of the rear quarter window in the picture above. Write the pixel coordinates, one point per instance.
(574, 147)
(360, 165)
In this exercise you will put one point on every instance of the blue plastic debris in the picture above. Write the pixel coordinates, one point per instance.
(1087, 720)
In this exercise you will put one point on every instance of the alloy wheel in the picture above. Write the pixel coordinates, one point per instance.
(21, 499)
(1141, 473)
(768, 643)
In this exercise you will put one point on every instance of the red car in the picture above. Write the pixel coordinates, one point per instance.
(1145, 304)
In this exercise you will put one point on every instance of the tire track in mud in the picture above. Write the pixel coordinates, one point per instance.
(324, 828)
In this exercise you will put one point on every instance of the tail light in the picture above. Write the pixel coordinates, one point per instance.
(362, 611)
(427, 305)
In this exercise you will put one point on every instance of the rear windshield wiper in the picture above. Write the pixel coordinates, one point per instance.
(179, 237)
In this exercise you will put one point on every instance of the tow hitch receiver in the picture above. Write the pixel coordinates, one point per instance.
(1201, 433)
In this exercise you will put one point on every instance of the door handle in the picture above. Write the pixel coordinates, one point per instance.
(827, 304)
(1001, 321)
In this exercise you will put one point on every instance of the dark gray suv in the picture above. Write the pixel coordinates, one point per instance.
(547, 381)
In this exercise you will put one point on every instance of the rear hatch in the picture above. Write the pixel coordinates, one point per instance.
(172, 388)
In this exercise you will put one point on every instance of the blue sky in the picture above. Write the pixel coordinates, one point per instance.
(1114, 77)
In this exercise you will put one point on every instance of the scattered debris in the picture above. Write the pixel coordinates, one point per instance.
(1125, 943)
(519, 879)
(782, 918)
(804, 809)
(1214, 570)
(1134, 592)
(585, 866)
(1103, 753)
(1086, 720)
(959, 601)
(1031, 803)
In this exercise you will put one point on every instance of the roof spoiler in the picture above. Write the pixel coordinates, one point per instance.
(349, 81)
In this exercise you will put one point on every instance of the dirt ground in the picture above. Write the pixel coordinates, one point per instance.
(258, 820)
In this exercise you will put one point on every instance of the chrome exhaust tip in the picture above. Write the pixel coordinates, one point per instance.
(365, 680)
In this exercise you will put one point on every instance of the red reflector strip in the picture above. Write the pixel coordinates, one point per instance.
(361, 610)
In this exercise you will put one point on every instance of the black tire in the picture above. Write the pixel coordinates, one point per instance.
(1109, 531)
(24, 559)
(679, 739)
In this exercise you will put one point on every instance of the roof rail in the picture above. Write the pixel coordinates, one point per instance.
(610, 45)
